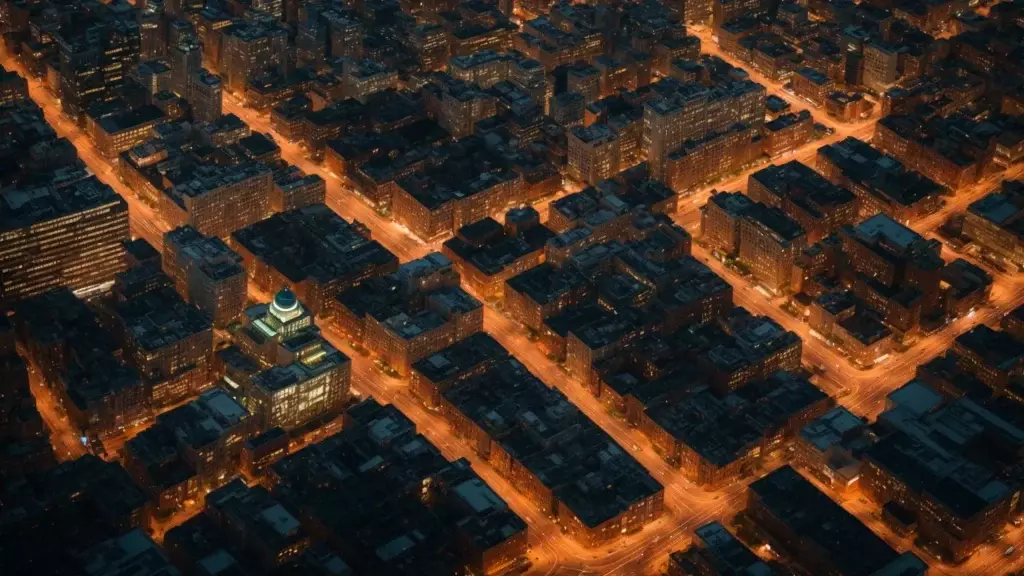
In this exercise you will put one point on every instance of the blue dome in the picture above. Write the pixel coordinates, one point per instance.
(285, 300)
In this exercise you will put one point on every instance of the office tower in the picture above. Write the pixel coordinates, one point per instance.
(206, 273)
(185, 60)
(152, 34)
(70, 236)
(96, 55)
(311, 43)
(880, 66)
(249, 49)
(206, 94)
(345, 36)
(210, 31)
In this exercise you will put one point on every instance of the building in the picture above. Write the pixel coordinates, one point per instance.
(487, 253)
(787, 133)
(881, 67)
(993, 357)
(206, 273)
(410, 314)
(715, 551)
(690, 111)
(305, 379)
(248, 49)
(880, 182)
(313, 252)
(965, 288)
(361, 79)
(412, 512)
(485, 68)
(206, 95)
(716, 439)
(847, 106)
(191, 449)
(922, 465)
(218, 200)
(818, 206)
(85, 501)
(438, 199)
(770, 241)
(829, 448)
(711, 156)
(839, 318)
(293, 189)
(96, 57)
(256, 524)
(133, 552)
(542, 292)
(12, 87)
(812, 85)
(593, 153)
(556, 457)
(820, 535)
(70, 236)
(720, 220)
(893, 270)
(123, 131)
(168, 341)
(996, 223)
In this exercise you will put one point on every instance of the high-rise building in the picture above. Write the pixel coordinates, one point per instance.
(249, 49)
(96, 56)
(880, 66)
(345, 36)
(185, 60)
(206, 94)
(70, 236)
(206, 273)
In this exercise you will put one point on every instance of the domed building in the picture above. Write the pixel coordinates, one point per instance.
(292, 375)
(278, 332)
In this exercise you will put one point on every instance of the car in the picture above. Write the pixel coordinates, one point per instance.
(1009, 551)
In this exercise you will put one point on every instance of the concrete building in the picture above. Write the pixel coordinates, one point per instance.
(770, 241)
(70, 236)
(249, 49)
(821, 536)
(206, 273)
(820, 207)
(593, 153)
(313, 252)
(218, 200)
(169, 342)
(996, 223)
(206, 96)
